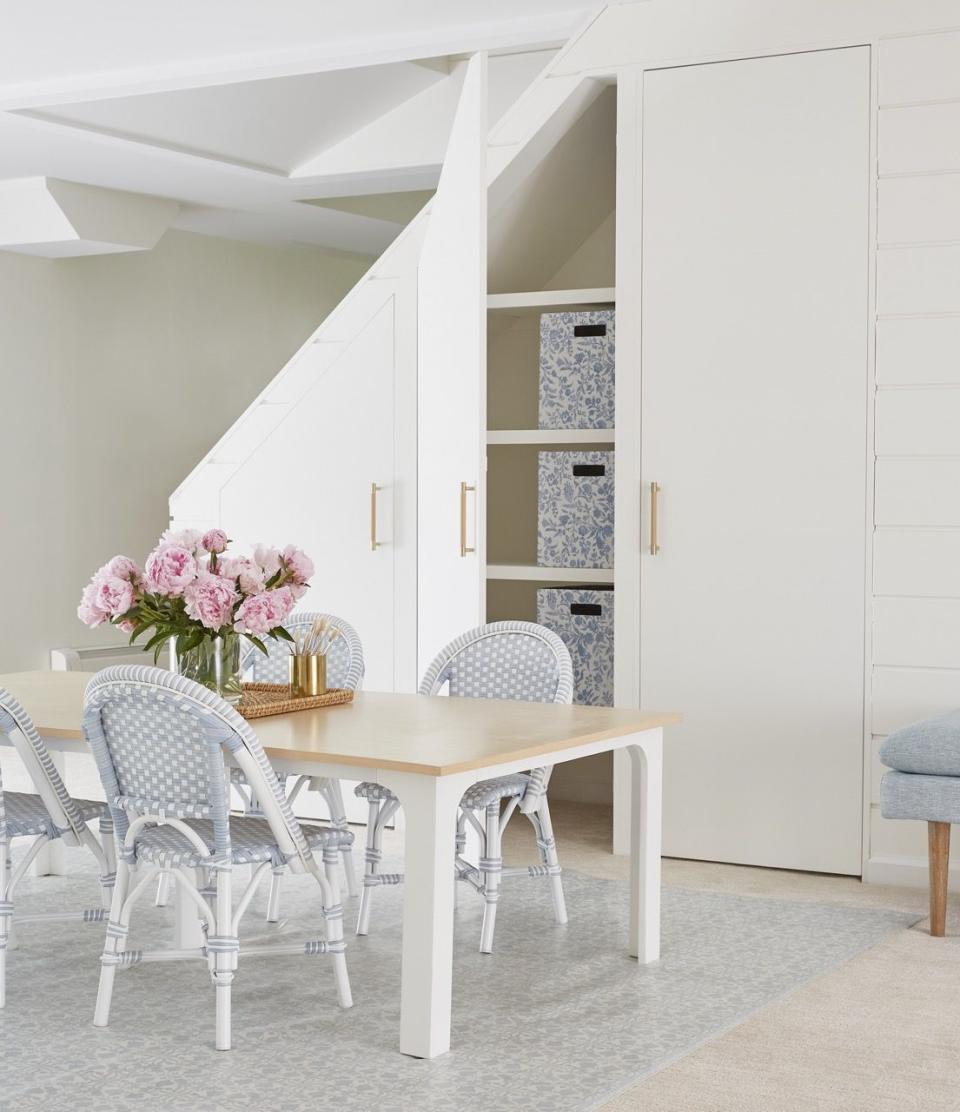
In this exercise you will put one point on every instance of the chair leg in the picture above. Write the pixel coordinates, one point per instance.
(548, 854)
(163, 890)
(332, 911)
(6, 916)
(273, 900)
(491, 865)
(224, 954)
(117, 929)
(331, 861)
(371, 859)
(938, 839)
(333, 794)
(109, 848)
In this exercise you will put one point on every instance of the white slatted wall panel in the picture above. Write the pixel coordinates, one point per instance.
(916, 553)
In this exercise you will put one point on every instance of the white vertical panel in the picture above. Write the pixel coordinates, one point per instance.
(918, 350)
(629, 280)
(451, 376)
(752, 613)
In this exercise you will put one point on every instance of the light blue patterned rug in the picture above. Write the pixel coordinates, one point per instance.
(558, 1019)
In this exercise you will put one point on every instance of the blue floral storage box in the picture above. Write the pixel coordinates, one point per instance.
(583, 619)
(575, 510)
(577, 370)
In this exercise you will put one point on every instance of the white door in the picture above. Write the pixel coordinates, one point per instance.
(451, 372)
(310, 483)
(754, 370)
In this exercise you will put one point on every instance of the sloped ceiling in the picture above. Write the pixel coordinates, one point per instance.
(342, 107)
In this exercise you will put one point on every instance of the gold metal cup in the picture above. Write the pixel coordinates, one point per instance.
(308, 674)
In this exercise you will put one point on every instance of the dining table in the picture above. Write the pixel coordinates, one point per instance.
(428, 750)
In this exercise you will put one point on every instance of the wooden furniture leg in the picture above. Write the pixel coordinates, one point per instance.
(938, 837)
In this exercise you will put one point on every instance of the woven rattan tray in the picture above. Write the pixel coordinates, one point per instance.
(262, 699)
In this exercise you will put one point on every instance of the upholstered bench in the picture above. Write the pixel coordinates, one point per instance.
(924, 784)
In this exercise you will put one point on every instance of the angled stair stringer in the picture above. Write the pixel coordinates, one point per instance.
(530, 126)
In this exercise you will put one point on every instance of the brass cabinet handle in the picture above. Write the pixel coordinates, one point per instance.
(654, 537)
(374, 543)
(464, 487)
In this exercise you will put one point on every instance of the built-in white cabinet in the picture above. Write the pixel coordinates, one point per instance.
(331, 480)
(452, 287)
(753, 425)
(767, 195)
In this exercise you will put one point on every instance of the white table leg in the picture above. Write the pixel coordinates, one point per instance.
(430, 806)
(50, 860)
(646, 763)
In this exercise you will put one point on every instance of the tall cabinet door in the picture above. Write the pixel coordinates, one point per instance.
(451, 359)
(312, 483)
(754, 372)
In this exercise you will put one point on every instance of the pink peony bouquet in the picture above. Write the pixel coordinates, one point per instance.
(191, 589)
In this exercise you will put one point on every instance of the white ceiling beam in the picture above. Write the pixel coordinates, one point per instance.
(59, 219)
(535, 33)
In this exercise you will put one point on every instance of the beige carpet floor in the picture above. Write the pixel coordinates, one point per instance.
(882, 1033)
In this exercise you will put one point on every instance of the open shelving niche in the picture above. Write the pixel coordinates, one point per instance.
(551, 249)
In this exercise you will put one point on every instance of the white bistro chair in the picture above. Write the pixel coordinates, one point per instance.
(159, 742)
(344, 669)
(502, 660)
(47, 816)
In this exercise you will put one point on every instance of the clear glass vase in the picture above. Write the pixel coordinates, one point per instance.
(214, 663)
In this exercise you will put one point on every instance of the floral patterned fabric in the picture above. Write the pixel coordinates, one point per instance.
(577, 370)
(571, 613)
(575, 508)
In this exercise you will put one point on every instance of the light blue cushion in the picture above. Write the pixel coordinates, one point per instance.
(906, 795)
(928, 748)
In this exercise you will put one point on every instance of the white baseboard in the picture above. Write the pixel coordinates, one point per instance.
(905, 872)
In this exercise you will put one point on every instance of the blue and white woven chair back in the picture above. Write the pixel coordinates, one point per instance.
(344, 657)
(504, 660)
(19, 727)
(158, 739)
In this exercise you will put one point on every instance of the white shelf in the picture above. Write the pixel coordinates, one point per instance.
(544, 299)
(550, 436)
(549, 575)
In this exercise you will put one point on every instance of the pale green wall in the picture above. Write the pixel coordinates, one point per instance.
(117, 374)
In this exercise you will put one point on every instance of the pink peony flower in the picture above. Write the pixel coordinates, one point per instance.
(114, 596)
(88, 612)
(267, 558)
(260, 613)
(127, 626)
(298, 564)
(215, 540)
(209, 600)
(248, 576)
(122, 567)
(286, 600)
(169, 569)
(190, 539)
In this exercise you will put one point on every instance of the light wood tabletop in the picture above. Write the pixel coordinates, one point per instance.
(409, 733)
